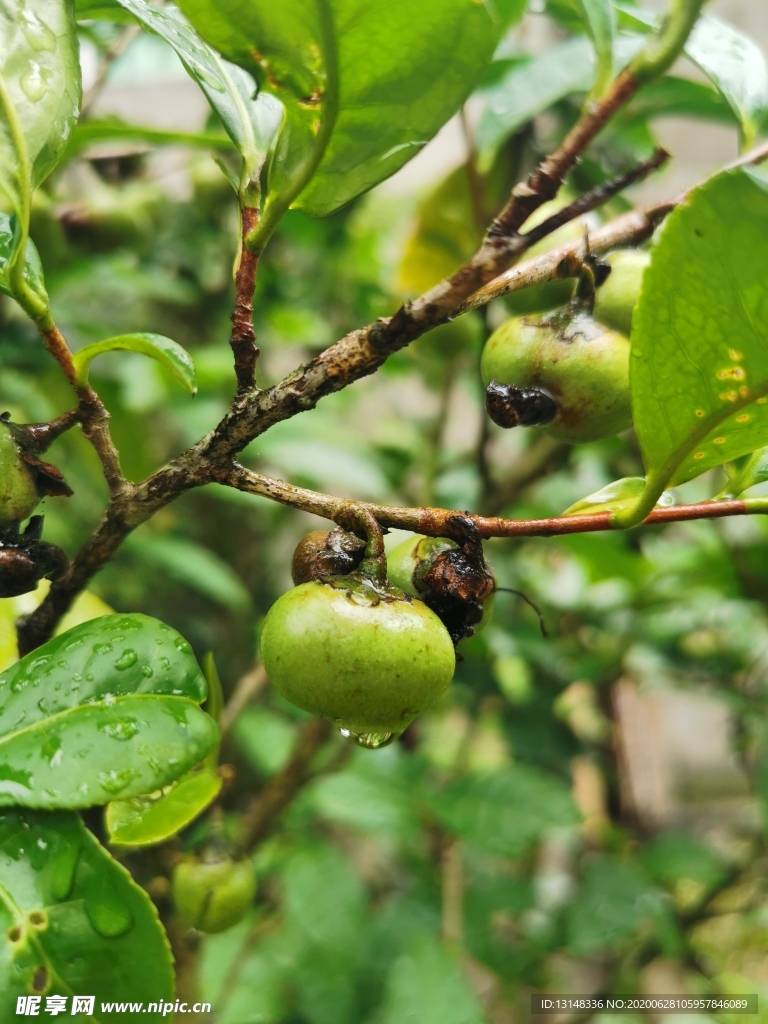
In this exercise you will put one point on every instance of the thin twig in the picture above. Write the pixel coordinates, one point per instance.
(438, 522)
(110, 55)
(275, 796)
(247, 688)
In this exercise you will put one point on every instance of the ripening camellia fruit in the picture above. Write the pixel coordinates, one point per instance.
(616, 298)
(18, 493)
(564, 372)
(213, 895)
(365, 656)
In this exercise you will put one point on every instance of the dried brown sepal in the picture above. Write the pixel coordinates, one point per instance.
(323, 553)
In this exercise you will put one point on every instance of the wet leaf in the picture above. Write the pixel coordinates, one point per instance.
(614, 496)
(734, 64)
(153, 818)
(250, 121)
(33, 268)
(167, 352)
(41, 70)
(107, 709)
(79, 924)
(699, 368)
(397, 87)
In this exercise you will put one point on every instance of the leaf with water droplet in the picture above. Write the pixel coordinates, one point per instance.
(250, 120)
(154, 818)
(41, 69)
(130, 726)
(64, 895)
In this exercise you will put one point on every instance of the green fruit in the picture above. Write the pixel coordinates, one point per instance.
(368, 659)
(211, 896)
(568, 359)
(615, 300)
(18, 493)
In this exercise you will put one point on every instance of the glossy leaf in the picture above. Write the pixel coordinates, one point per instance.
(107, 709)
(33, 268)
(250, 121)
(41, 69)
(153, 818)
(397, 85)
(600, 19)
(699, 368)
(95, 131)
(530, 87)
(507, 811)
(732, 62)
(746, 472)
(614, 496)
(73, 921)
(168, 353)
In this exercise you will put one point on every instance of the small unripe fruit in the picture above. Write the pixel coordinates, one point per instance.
(615, 300)
(214, 895)
(18, 493)
(369, 659)
(568, 358)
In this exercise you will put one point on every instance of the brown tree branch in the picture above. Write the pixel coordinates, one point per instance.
(275, 796)
(437, 522)
(242, 338)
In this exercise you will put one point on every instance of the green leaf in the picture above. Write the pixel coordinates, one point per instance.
(107, 709)
(746, 472)
(614, 901)
(507, 811)
(33, 268)
(250, 121)
(111, 129)
(733, 63)
(600, 19)
(153, 818)
(673, 856)
(168, 353)
(195, 566)
(102, 10)
(427, 984)
(403, 70)
(614, 496)
(699, 368)
(41, 68)
(72, 920)
(532, 86)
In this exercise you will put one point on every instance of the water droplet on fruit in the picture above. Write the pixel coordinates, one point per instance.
(126, 659)
(369, 740)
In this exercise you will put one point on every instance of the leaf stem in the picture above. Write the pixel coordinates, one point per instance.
(276, 206)
(31, 303)
(666, 45)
